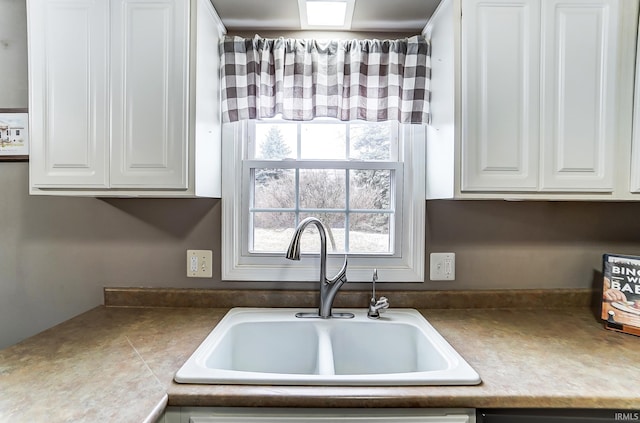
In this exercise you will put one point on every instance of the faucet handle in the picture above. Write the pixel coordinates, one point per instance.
(341, 276)
(382, 304)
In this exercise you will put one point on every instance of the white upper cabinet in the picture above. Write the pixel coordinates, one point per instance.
(500, 94)
(579, 60)
(149, 88)
(124, 97)
(542, 98)
(69, 93)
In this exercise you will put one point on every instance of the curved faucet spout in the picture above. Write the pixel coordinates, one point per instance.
(328, 287)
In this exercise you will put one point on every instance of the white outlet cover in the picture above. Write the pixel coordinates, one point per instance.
(442, 266)
(202, 260)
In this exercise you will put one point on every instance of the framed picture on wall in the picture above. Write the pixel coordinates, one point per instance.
(14, 135)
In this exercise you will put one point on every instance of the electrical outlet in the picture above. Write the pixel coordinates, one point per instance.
(442, 266)
(199, 263)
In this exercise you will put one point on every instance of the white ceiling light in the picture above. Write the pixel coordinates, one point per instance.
(326, 14)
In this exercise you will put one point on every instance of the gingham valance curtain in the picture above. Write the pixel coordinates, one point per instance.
(373, 80)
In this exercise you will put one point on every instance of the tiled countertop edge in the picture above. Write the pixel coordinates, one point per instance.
(225, 298)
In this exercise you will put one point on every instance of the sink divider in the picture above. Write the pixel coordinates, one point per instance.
(325, 351)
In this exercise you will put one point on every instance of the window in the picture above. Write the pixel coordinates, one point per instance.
(345, 174)
(365, 181)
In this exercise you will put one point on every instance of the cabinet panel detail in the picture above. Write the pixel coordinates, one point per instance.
(146, 101)
(68, 126)
(69, 66)
(578, 120)
(499, 130)
(150, 95)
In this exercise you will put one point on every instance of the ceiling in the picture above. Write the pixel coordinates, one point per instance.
(369, 15)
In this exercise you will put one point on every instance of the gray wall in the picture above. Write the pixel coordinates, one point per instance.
(13, 54)
(57, 253)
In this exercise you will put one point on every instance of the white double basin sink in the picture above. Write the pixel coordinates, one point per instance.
(270, 346)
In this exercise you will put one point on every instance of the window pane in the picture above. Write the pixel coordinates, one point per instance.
(369, 233)
(370, 141)
(325, 141)
(322, 188)
(352, 212)
(370, 189)
(334, 222)
(274, 188)
(272, 231)
(275, 141)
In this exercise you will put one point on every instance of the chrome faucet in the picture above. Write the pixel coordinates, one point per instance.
(376, 305)
(328, 287)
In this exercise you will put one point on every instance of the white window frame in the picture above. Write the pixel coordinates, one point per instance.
(393, 165)
(405, 265)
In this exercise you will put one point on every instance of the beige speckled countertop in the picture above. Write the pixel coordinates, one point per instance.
(116, 364)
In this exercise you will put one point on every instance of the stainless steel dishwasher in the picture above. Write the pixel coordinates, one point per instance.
(522, 415)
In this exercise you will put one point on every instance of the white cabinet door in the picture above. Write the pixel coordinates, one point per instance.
(150, 104)
(316, 415)
(539, 95)
(578, 117)
(68, 98)
(500, 95)
(114, 103)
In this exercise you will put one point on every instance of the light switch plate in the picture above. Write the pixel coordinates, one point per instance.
(199, 263)
(442, 266)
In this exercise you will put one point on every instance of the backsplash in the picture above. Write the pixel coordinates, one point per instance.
(430, 300)
(77, 246)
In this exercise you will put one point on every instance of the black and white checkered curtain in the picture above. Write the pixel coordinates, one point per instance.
(373, 80)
